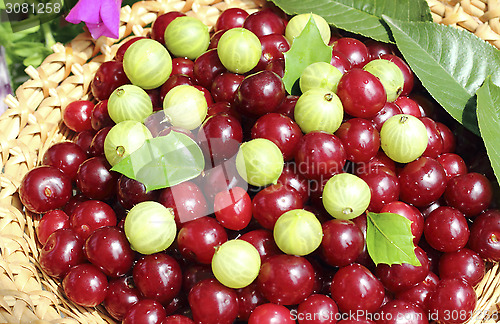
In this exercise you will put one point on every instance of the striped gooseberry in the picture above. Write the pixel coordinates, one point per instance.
(390, 76)
(147, 63)
(236, 264)
(319, 109)
(187, 37)
(297, 23)
(259, 162)
(123, 139)
(239, 50)
(129, 102)
(320, 75)
(150, 227)
(346, 196)
(185, 106)
(403, 138)
(298, 232)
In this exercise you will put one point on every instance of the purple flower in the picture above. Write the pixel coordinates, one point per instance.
(4, 81)
(102, 17)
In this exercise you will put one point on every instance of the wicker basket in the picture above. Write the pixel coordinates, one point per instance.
(33, 123)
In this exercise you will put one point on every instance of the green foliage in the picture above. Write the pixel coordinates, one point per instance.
(389, 239)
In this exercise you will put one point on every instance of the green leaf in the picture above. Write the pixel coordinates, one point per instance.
(451, 64)
(389, 239)
(306, 49)
(488, 116)
(163, 161)
(360, 16)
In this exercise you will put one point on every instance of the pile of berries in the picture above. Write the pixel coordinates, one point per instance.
(274, 229)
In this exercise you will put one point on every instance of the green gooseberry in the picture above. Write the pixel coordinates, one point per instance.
(187, 37)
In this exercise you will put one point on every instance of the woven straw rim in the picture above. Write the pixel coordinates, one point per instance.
(33, 123)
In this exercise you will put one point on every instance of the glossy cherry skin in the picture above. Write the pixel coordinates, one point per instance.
(384, 187)
(287, 106)
(100, 116)
(109, 250)
(121, 50)
(233, 208)
(273, 47)
(377, 49)
(198, 239)
(485, 235)
(249, 298)
(62, 251)
(120, 297)
(130, 192)
(452, 164)
(453, 301)
(418, 294)
(109, 76)
(74, 201)
(97, 144)
(222, 107)
(399, 311)
(464, 263)
(221, 178)
(360, 139)
(158, 276)
(95, 180)
(399, 277)
(183, 65)
(177, 319)
(270, 313)
(225, 85)
(409, 212)
(286, 279)
(361, 93)
(194, 273)
(259, 94)
(66, 156)
(317, 309)
(422, 181)
(206, 67)
(356, 52)
(220, 137)
(230, 18)
(408, 106)
(145, 311)
(355, 288)
(446, 229)
(271, 202)
(340, 61)
(187, 201)
(407, 73)
(76, 116)
(264, 22)
(44, 188)
(213, 303)
(470, 193)
(51, 222)
(449, 140)
(435, 141)
(291, 178)
(84, 139)
(85, 285)
(263, 241)
(355, 321)
(90, 215)
(161, 23)
(390, 109)
(280, 130)
(320, 155)
(342, 242)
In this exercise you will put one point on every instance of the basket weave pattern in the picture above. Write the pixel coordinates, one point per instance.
(33, 123)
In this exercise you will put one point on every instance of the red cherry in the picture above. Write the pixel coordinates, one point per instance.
(213, 303)
(120, 297)
(85, 285)
(145, 311)
(233, 208)
(51, 222)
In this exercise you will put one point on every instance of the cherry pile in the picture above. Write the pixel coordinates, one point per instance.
(445, 193)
